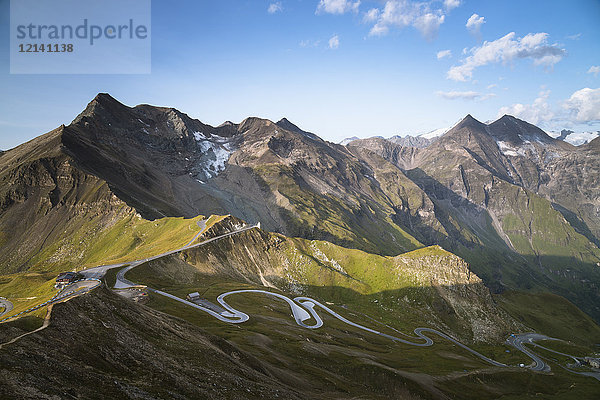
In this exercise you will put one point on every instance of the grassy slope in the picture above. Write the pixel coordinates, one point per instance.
(345, 352)
(130, 239)
(411, 284)
(552, 315)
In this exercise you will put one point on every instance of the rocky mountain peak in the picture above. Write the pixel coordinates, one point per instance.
(226, 124)
(469, 121)
(564, 133)
(465, 132)
(513, 130)
(105, 98)
(286, 124)
(103, 106)
(254, 123)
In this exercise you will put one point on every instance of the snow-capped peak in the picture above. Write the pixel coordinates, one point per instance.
(575, 138)
(438, 132)
(348, 140)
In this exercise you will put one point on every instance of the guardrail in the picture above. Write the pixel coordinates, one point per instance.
(57, 297)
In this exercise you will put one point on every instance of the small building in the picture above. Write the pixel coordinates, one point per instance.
(193, 297)
(66, 278)
(593, 362)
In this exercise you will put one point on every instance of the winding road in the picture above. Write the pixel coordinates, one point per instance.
(303, 308)
(123, 283)
(92, 276)
(6, 305)
(517, 342)
(76, 288)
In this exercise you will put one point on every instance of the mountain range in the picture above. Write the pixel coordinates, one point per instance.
(495, 217)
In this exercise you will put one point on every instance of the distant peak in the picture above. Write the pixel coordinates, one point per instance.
(469, 121)
(470, 118)
(511, 118)
(105, 99)
(511, 129)
(253, 122)
(507, 118)
(103, 104)
(286, 124)
(104, 96)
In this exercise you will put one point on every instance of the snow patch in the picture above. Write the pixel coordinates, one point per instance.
(348, 140)
(438, 132)
(509, 150)
(199, 136)
(578, 139)
(435, 133)
(221, 156)
(214, 154)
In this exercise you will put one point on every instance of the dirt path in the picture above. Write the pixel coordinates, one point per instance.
(44, 326)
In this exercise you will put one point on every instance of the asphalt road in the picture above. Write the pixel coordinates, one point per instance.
(92, 277)
(7, 305)
(74, 289)
(123, 283)
(303, 310)
(202, 225)
(517, 341)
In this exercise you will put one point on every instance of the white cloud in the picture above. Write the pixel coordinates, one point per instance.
(493, 85)
(584, 105)
(508, 48)
(334, 42)
(468, 95)
(337, 6)
(450, 4)
(309, 43)
(594, 69)
(404, 13)
(429, 24)
(474, 24)
(444, 54)
(577, 36)
(536, 112)
(275, 7)
(372, 15)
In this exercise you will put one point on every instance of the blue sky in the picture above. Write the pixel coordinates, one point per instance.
(341, 68)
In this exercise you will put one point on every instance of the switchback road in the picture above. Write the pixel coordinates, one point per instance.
(6, 306)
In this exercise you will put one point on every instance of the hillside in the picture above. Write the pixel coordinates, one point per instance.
(520, 206)
(488, 231)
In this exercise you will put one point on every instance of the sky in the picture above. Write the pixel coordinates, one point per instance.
(341, 68)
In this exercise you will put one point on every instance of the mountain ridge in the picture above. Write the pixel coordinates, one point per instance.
(372, 195)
